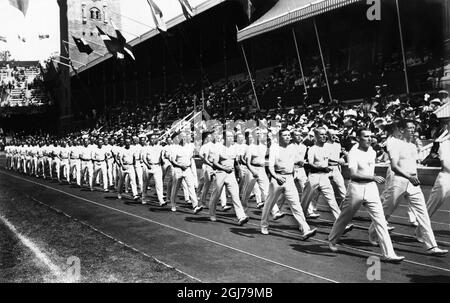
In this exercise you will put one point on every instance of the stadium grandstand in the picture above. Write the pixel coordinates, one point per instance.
(343, 104)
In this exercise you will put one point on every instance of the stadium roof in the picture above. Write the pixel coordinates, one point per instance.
(443, 112)
(286, 12)
(173, 15)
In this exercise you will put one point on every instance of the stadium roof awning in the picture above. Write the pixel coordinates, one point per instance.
(172, 17)
(286, 12)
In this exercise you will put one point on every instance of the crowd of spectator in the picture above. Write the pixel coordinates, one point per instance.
(22, 86)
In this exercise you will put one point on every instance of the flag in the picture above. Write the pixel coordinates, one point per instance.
(21, 5)
(123, 42)
(157, 16)
(248, 7)
(112, 44)
(187, 9)
(82, 45)
(3, 39)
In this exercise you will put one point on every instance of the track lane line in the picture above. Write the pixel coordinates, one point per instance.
(365, 252)
(176, 229)
(41, 256)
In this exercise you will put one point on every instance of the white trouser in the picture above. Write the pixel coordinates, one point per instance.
(75, 164)
(402, 189)
(127, 170)
(112, 173)
(337, 180)
(65, 168)
(178, 176)
(29, 164)
(194, 172)
(49, 165)
(364, 194)
(87, 168)
(261, 191)
(249, 184)
(34, 165)
(139, 176)
(389, 175)
(319, 183)
(208, 177)
(229, 181)
(100, 167)
(40, 167)
(440, 193)
(300, 178)
(168, 171)
(290, 194)
(155, 170)
(56, 163)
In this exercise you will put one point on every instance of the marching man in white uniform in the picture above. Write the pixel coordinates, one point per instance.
(255, 163)
(282, 158)
(125, 161)
(335, 162)
(441, 190)
(56, 160)
(225, 162)
(112, 176)
(208, 172)
(75, 162)
(40, 162)
(87, 169)
(319, 177)
(99, 155)
(406, 185)
(64, 155)
(152, 158)
(363, 190)
(181, 159)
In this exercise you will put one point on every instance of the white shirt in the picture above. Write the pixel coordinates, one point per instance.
(152, 153)
(182, 154)
(334, 150)
(283, 158)
(205, 149)
(362, 162)
(75, 151)
(227, 155)
(137, 151)
(99, 154)
(406, 155)
(126, 156)
(86, 153)
(256, 153)
(318, 155)
(64, 152)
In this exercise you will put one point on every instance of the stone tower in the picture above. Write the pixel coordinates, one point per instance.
(84, 17)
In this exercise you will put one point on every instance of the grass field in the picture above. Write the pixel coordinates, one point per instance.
(59, 237)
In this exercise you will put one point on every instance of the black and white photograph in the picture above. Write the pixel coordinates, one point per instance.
(220, 147)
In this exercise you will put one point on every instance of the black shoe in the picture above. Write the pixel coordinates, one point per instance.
(348, 228)
(309, 234)
(243, 221)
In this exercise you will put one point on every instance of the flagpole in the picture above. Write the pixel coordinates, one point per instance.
(61, 63)
(82, 64)
(299, 61)
(403, 47)
(126, 17)
(250, 75)
(323, 61)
